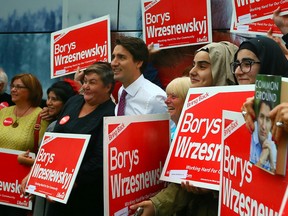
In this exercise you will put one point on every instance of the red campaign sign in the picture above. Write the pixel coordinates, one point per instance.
(194, 154)
(135, 148)
(11, 176)
(245, 189)
(175, 23)
(56, 165)
(284, 205)
(256, 28)
(80, 46)
(248, 11)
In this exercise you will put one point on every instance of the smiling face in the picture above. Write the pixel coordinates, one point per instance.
(54, 104)
(201, 73)
(176, 92)
(19, 92)
(250, 77)
(95, 92)
(174, 104)
(125, 69)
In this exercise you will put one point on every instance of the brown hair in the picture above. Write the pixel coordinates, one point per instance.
(33, 85)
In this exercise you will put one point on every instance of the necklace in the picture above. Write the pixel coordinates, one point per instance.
(15, 124)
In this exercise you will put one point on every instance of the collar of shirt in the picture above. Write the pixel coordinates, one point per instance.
(134, 87)
(255, 134)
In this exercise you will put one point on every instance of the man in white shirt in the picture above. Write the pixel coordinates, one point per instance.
(129, 60)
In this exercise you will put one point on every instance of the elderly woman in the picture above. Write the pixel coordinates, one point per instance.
(176, 92)
(83, 114)
(18, 121)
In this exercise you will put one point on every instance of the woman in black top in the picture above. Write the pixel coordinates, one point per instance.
(83, 114)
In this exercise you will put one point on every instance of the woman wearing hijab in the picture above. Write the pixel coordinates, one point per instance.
(258, 56)
(211, 67)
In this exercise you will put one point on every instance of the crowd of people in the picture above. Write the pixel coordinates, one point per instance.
(88, 99)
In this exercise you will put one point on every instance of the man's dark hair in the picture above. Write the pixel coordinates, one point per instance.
(268, 103)
(136, 47)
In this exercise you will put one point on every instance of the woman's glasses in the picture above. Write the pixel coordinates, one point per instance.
(245, 66)
(17, 87)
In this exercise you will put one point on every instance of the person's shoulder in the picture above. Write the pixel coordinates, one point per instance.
(75, 99)
(107, 108)
(254, 136)
(51, 126)
(36, 112)
(110, 105)
(151, 87)
(6, 111)
(9, 109)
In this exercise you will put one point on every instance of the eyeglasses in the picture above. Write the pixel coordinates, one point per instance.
(245, 66)
(17, 87)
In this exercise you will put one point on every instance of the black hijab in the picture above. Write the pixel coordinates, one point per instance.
(272, 58)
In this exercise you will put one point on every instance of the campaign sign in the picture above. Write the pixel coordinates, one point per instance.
(175, 23)
(195, 152)
(11, 175)
(135, 148)
(56, 165)
(80, 46)
(248, 11)
(256, 28)
(245, 189)
(284, 205)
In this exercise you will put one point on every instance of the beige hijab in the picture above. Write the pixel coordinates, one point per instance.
(221, 55)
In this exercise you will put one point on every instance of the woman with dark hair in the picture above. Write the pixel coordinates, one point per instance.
(57, 96)
(257, 56)
(260, 55)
